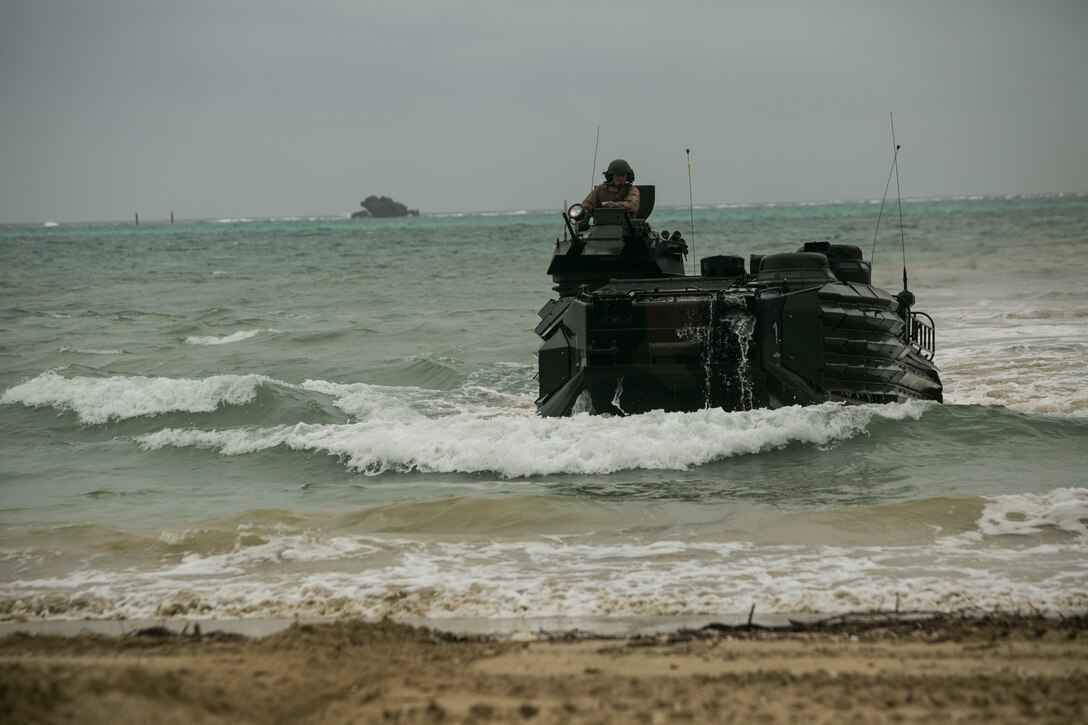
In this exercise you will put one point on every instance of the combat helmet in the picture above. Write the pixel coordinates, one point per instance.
(619, 166)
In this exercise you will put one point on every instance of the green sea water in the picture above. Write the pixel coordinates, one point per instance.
(325, 416)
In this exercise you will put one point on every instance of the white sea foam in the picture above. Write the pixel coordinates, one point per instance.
(281, 571)
(303, 573)
(1047, 384)
(82, 351)
(283, 548)
(394, 438)
(1064, 509)
(1028, 359)
(368, 401)
(99, 400)
(221, 340)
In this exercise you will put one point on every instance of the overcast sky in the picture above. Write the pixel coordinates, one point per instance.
(243, 108)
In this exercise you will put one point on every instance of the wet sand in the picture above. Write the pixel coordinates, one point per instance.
(994, 668)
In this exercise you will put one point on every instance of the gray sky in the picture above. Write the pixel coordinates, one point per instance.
(243, 108)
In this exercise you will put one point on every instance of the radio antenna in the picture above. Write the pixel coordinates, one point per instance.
(899, 198)
(891, 170)
(593, 171)
(691, 209)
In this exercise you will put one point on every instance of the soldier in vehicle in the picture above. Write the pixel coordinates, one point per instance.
(618, 190)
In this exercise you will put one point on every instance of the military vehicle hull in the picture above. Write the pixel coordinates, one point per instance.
(801, 329)
(683, 345)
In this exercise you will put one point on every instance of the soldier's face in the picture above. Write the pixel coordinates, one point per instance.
(619, 178)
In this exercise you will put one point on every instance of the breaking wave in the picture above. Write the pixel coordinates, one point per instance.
(282, 570)
(223, 340)
(522, 445)
(100, 400)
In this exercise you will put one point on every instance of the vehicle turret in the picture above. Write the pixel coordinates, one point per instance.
(612, 244)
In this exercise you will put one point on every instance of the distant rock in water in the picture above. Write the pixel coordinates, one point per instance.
(382, 207)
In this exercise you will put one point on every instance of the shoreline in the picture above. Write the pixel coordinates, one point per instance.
(497, 628)
(1007, 668)
(522, 628)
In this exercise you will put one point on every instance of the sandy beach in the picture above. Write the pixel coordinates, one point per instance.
(1003, 669)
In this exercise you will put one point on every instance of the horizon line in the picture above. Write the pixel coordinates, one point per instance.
(498, 212)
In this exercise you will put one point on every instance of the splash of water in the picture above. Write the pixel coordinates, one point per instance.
(702, 332)
(616, 397)
(725, 337)
(583, 404)
(742, 325)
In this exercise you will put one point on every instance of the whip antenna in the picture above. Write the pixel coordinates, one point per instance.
(691, 209)
(899, 197)
(895, 155)
(593, 171)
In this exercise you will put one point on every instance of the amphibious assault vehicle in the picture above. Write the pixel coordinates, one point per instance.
(630, 332)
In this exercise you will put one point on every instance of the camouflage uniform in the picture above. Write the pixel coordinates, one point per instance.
(614, 196)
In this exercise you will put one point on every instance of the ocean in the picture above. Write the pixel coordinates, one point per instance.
(325, 417)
